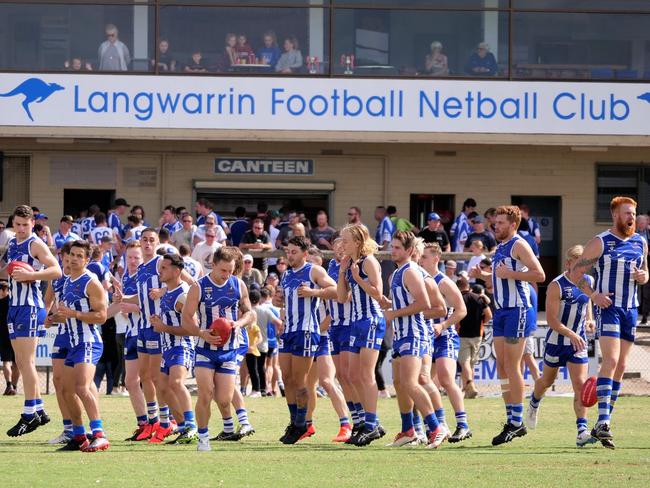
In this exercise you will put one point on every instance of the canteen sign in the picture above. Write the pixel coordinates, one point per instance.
(284, 167)
(323, 104)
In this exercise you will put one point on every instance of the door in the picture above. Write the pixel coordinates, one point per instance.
(423, 204)
(74, 201)
(547, 211)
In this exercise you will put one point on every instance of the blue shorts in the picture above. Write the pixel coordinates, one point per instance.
(84, 353)
(273, 344)
(557, 356)
(61, 346)
(26, 321)
(340, 338)
(241, 354)
(367, 333)
(273, 351)
(616, 322)
(410, 346)
(446, 345)
(303, 343)
(131, 348)
(149, 341)
(177, 356)
(514, 322)
(219, 361)
(324, 346)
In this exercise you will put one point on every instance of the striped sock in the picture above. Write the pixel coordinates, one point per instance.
(461, 420)
(509, 412)
(67, 426)
(293, 408)
(616, 390)
(242, 417)
(344, 421)
(417, 423)
(432, 422)
(189, 419)
(301, 417)
(534, 402)
(164, 417)
(181, 426)
(407, 421)
(440, 415)
(228, 425)
(517, 414)
(96, 426)
(581, 423)
(371, 420)
(360, 412)
(141, 419)
(309, 423)
(204, 435)
(29, 409)
(604, 394)
(39, 405)
(353, 413)
(152, 412)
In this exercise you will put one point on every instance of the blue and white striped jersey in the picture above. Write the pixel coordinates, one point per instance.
(300, 312)
(129, 288)
(98, 233)
(509, 293)
(173, 227)
(172, 317)
(385, 231)
(60, 239)
(57, 288)
(615, 265)
(459, 232)
(572, 312)
(439, 278)
(192, 266)
(75, 296)
(113, 222)
(410, 325)
(219, 301)
(341, 313)
(364, 307)
(87, 224)
(148, 278)
(24, 293)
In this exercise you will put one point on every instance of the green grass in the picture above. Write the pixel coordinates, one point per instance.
(546, 457)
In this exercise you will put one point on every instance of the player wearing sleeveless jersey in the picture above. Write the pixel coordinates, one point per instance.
(100, 230)
(445, 343)
(304, 285)
(177, 348)
(620, 258)
(83, 306)
(569, 316)
(88, 223)
(26, 315)
(514, 266)
(360, 283)
(218, 294)
(134, 228)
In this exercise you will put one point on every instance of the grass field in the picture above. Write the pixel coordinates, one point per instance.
(546, 457)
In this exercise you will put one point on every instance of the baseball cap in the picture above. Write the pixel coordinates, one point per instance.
(274, 214)
(121, 202)
(248, 257)
(478, 219)
(433, 216)
(67, 218)
(41, 216)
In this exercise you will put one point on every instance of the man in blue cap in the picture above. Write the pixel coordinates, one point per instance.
(434, 232)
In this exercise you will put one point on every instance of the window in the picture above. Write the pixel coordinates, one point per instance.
(582, 4)
(631, 180)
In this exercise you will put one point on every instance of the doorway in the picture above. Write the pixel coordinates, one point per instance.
(423, 204)
(547, 211)
(74, 201)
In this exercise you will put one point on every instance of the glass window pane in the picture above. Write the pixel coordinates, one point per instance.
(582, 46)
(57, 37)
(478, 4)
(261, 40)
(426, 43)
(245, 2)
(586, 5)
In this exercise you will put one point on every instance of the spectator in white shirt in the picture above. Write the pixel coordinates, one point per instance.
(204, 251)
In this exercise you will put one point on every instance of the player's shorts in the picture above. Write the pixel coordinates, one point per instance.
(177, 356)
(557, 356)
(61, 346)
(84, 353)
(616, 322)
(131, 348)
(446, 345)
(219, 361)
(514, 322)
(340, 339)
(149, 341)
(302, 343)
(242, 350)
(26, 321)
(324, 346)
(410, 346)
(273, 344)
(367, 333)
(273, 351)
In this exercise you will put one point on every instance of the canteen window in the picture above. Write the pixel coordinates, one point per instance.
(621, 180)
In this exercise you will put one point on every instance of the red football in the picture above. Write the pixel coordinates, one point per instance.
(14, 265)
(221, 327)
(588, 394)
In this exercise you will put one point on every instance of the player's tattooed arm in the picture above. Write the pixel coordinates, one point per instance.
(246, 314)
(513, 340)
(585, 263)
(584, 285)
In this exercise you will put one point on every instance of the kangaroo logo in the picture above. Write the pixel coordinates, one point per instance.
(645, 97)
(34, 90)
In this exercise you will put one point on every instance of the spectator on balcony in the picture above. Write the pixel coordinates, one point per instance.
(77, 64)
(270, 53)
(197, 65)
(291, 59)
(482, 62)
(435, 63)
(112, 53)
(243, 49)
(165, 60)
(230, 51)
